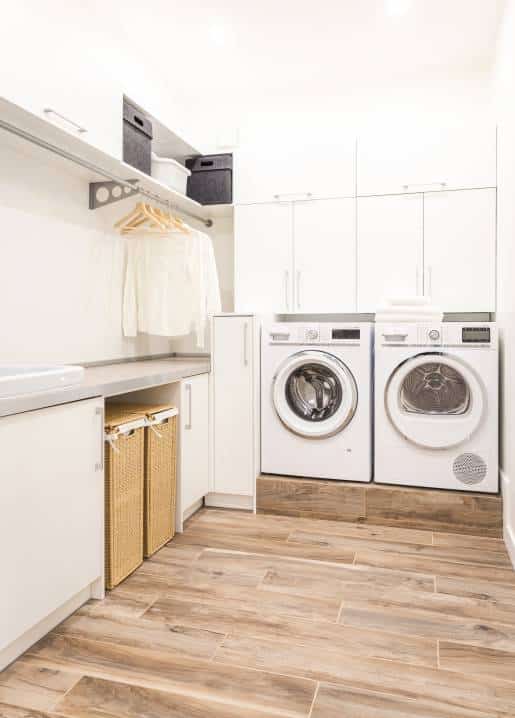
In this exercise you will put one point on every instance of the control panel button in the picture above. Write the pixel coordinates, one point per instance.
(434, 335)
(312, 335)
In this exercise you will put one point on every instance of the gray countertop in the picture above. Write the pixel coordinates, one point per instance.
(111, 380)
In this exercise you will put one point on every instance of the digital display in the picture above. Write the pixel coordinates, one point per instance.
(475, 335)
(346, 334)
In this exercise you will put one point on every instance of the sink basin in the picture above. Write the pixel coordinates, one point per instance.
(18, 379)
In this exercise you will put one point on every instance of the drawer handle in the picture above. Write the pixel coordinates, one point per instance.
(284, 195)
(245, 343)
(81, 130)
(189, 423)
(424, 184)
(99, 466)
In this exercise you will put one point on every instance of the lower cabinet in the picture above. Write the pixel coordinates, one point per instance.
(51, 527)
(193, 442)
(235, 422)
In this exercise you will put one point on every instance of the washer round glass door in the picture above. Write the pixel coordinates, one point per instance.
(314, 394)
(435, 400)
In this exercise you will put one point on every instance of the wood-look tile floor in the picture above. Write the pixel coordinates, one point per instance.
(267, 616)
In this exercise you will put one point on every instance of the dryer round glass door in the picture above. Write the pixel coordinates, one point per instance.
(435, 400)
(314, 394)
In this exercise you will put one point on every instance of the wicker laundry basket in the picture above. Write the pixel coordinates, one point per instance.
(124, 502)
(160, 473)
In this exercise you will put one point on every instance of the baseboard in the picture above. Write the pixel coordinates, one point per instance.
(230, 501)
(508, 494)
(33, 635)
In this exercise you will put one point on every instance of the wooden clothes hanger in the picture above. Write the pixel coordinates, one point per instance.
(158, 221)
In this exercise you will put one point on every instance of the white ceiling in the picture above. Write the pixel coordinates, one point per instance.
(310, 46)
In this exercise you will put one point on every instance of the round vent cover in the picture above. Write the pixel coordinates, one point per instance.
(469, 469)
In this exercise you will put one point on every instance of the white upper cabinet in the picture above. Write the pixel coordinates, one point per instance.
(390, 248)
(56, 62)
(459, 248)
(426, 160)
(285, 171)
(325, 256)
(263, 258)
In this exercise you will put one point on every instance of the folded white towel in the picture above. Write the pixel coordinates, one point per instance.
(392, 318)
(406, 309)
(415, 301)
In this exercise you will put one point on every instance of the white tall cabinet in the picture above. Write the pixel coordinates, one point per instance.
(235, 411)
(52, 498)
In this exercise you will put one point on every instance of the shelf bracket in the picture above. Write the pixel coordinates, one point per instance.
(103, 193)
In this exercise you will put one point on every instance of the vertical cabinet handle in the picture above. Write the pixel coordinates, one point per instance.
(287, 289)
(245, 344)
(298, 289)
(188, 424)
(99, 466)
(49, 111)
(429, 288)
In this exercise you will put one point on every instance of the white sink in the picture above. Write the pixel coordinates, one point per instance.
(31, 379)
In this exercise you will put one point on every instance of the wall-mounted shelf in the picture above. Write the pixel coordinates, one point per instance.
(99, 167)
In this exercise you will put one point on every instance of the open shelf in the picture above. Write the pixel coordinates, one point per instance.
(63, 141)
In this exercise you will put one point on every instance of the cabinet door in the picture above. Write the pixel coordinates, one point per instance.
(325, 255)
(233, 411)
(389, 248)
(288, 170)
(52, 499)
(194, 440)
(459, 249)
(263, 258)
(426, 159)
(64, 69)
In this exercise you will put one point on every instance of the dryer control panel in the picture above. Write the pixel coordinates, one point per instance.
(448, 334)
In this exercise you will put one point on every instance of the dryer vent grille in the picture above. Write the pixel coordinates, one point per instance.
(470, 469)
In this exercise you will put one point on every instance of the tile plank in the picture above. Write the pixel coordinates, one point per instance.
(106, 699)
(177, 674)
(158, 636)
(34, 687)
(338, 702)
(477, 660)
(406, 562)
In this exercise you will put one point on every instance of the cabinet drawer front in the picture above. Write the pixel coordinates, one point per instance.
(194, 439)
(51, 494)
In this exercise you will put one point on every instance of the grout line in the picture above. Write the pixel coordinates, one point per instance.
(340, 610)
(314, 699)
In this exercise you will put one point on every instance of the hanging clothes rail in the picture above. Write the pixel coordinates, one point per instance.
(130, 187)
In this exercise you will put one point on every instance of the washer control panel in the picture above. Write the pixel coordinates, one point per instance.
(306, 334)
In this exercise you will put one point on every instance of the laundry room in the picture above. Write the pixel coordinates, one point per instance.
(257, 354)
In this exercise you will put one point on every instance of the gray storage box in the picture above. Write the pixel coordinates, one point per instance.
(137, 138)
(211, 179)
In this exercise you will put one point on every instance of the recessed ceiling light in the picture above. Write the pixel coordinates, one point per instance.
(218, 34)
(396, 8)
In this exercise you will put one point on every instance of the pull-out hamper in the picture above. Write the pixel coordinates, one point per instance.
(124, 501)
(160, 474)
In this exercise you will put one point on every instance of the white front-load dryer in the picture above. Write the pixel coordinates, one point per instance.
(316, 400)
(436, 405)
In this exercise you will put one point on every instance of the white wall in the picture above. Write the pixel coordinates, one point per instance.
(505, 105)
(62, 266)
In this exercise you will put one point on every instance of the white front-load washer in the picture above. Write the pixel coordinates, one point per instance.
(436, 404)
(316, 400)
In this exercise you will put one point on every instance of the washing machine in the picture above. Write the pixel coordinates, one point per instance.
(316, 400)
(436, 406)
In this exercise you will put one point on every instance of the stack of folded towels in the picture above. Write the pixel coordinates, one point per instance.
(409, 309)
